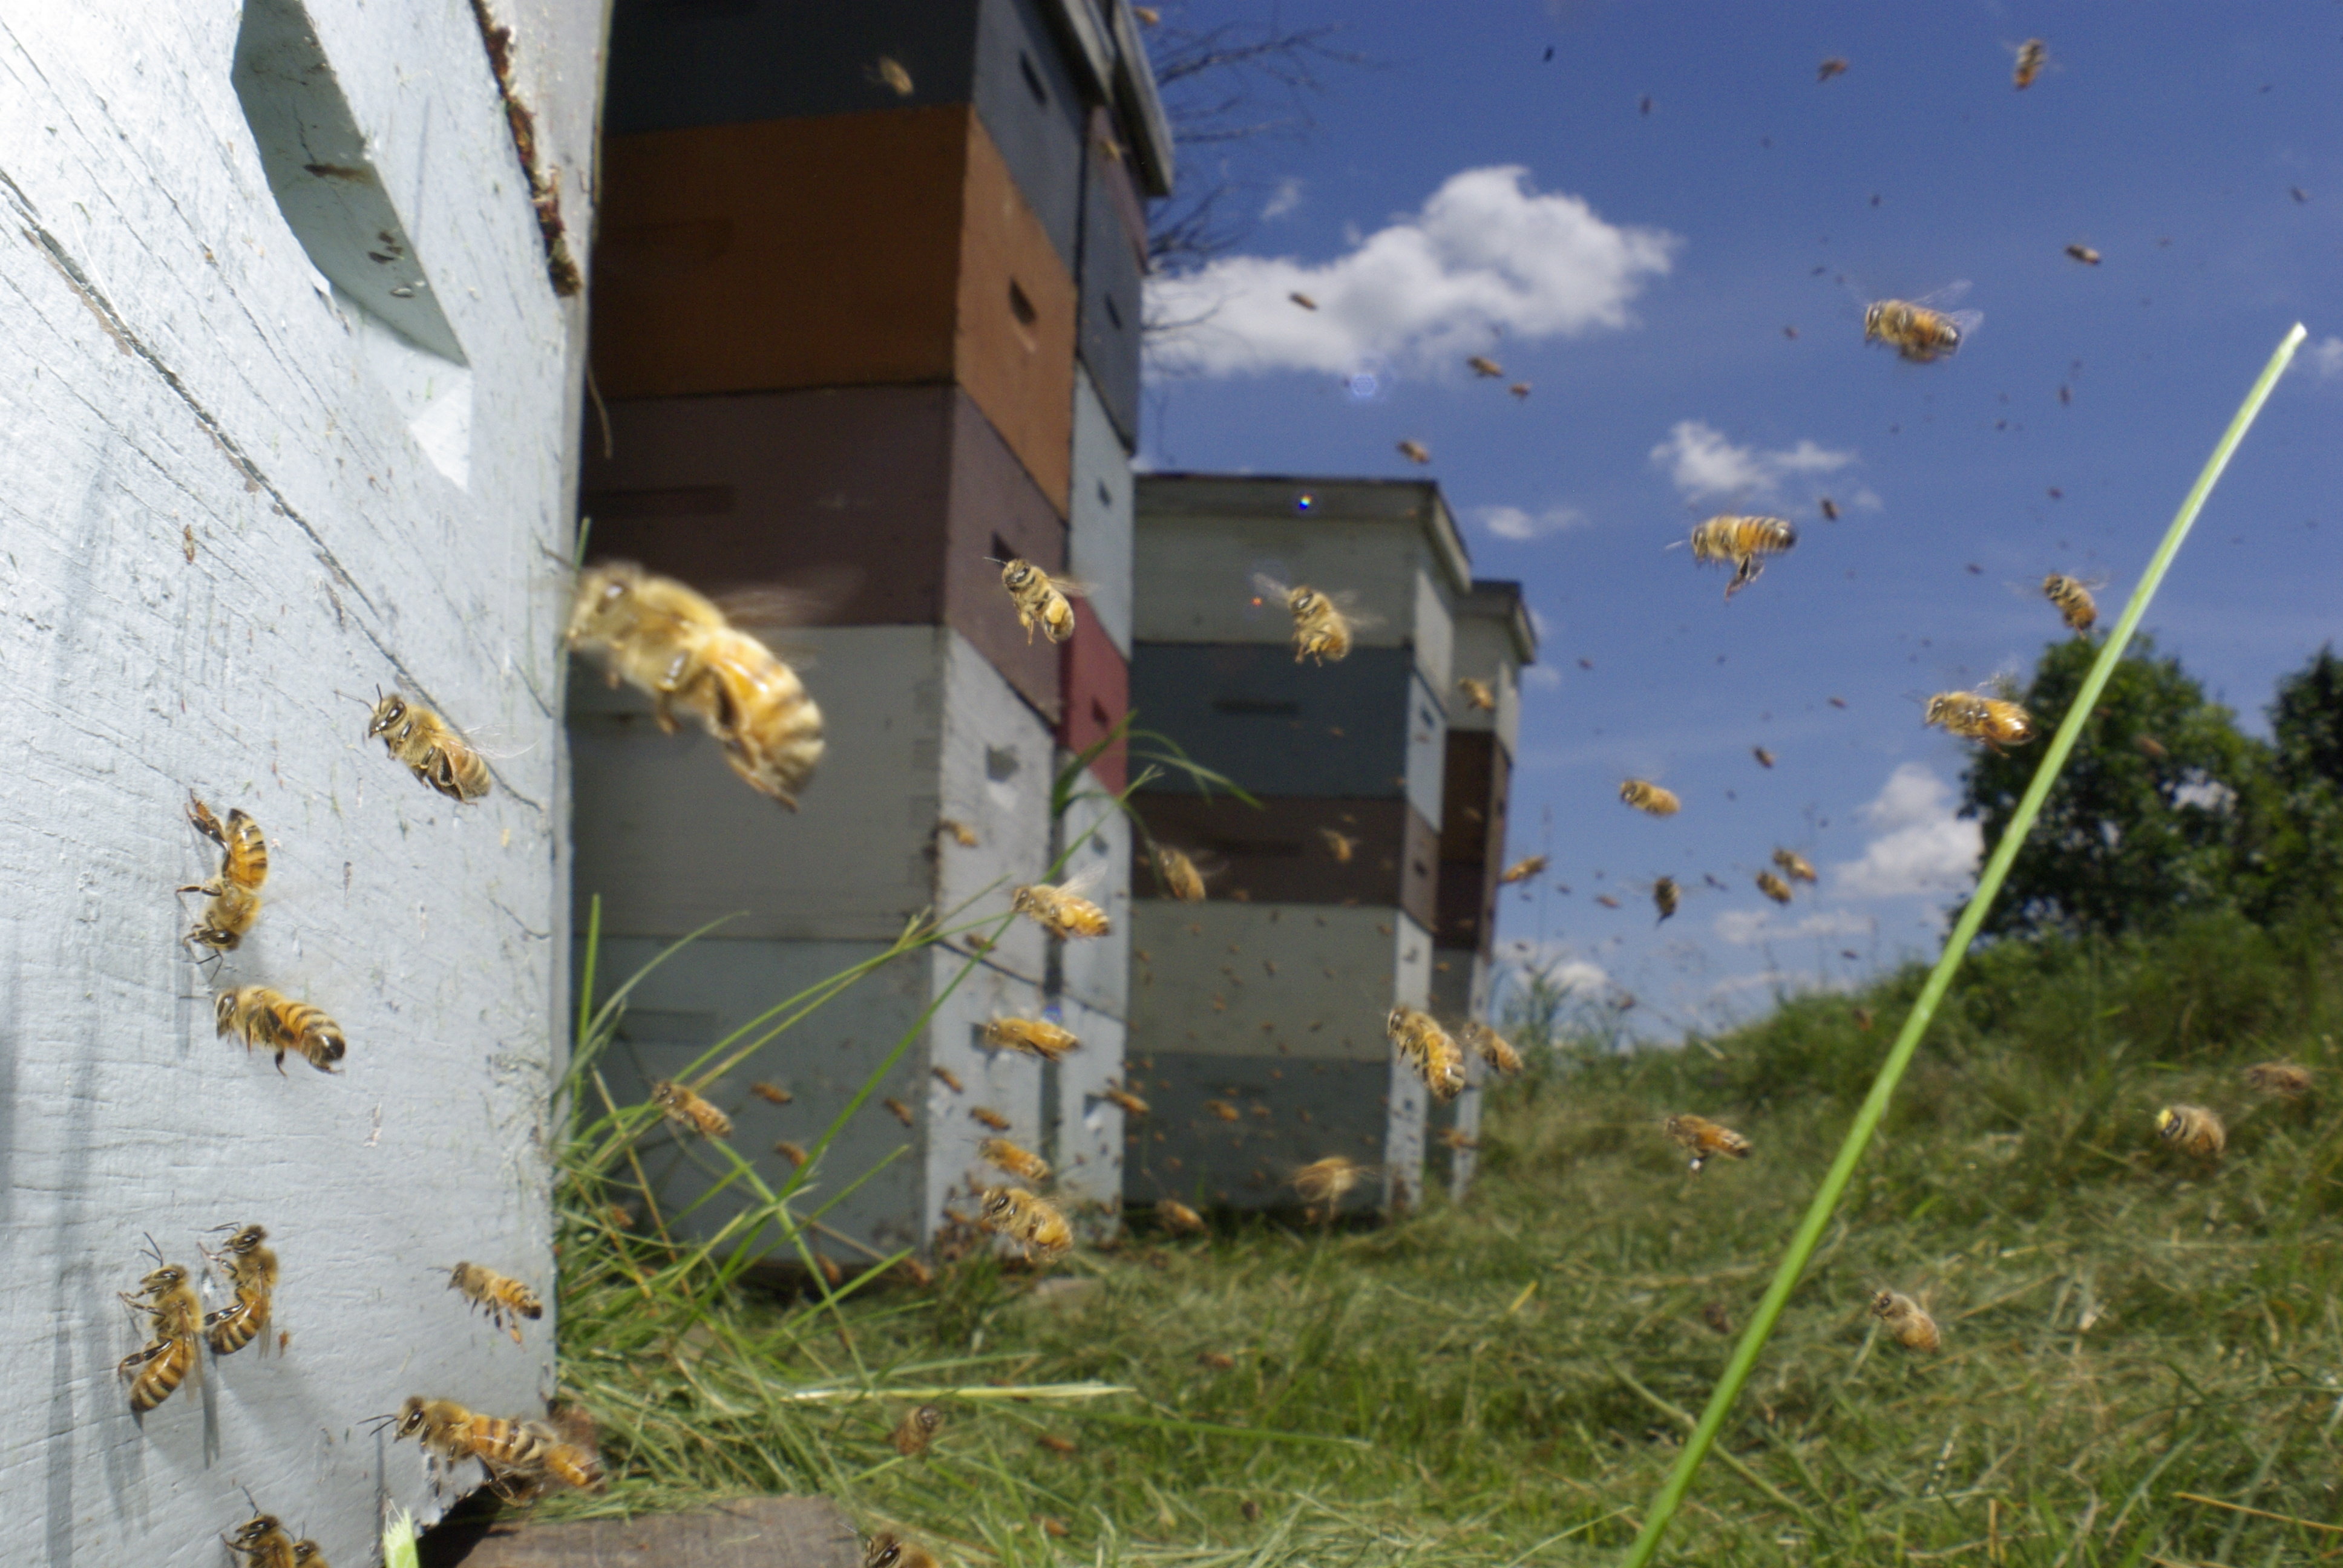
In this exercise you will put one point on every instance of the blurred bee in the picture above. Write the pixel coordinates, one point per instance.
(234, 893)
(505, 1299)
(1041, 600)
(1224, 1110)
(2076, 606)
(1063, 911)
(1428, 1048)
(1130, 1103)
(1717, 1319)
(1834, 67)
(990, 1117)
(890, 74)
(1478, 698)
(1765, 758)
(1482, 365)
(2150, 747)
(1519, 390)
(251, 1268)
(1303, 300)
(961, 833)
(262, 1541)
(429, 746)
(2032, 55)
(2280, 1077)
(1491, 1047)
(793, 1152)
(271, 1021)
(1645, 796)
(949, 1079)
(1664, 896)
(687, 1112)
(886, 1552)
(1996, 721)
(1829, 510)
(307, 1554)
(1794, 866)
(175, 1317)
(2193, 1129)
(1341, 844)
(1607, 901)
(1906, 1320)
(1744, 541)
(1522, 871)
(1328, 1181)
(1415, 451)
(1178, 1218)
(1706, 1139)
(1773, 886)
(1034, 1036)
(899, 1111)
(1862, 1018)
(1179, 875)
(772, 1092)
(1916, 330)
(1321, 630)
(520, 1457)
(1023, 1163)
(917, 1430)
(1457, 1138)
(2084, 253)
(1014, 1212)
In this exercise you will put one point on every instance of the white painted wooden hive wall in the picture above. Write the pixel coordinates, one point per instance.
(173, 378)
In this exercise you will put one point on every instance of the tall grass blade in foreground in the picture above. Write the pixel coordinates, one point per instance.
(1875, 1105)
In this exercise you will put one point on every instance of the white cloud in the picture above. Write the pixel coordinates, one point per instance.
(1544, 676)
(1922, 847)
(1284, 199)
(1748, 928)
(1702, 463)
(1514, 523)
(1574, 976)
(1486, 255)
(2325, 356)
(2205, 794)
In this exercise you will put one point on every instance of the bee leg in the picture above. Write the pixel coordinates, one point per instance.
(662, 712)
(280, 1064)
(213, 889)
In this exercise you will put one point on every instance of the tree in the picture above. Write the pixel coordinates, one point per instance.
(2163, 807)
(2304, 843)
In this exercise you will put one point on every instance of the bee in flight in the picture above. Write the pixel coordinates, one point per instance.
(1916, 329)
(1130, 1105)
(1491, 1047)
(1706, 1139)
(989, 1116)
(890, 74)
(949, 1079)
(520, 1457)
(1321, 630)
(687, 1112)
(1478, 698)
(1666, 895)
(887, 1551)
(251, 1268)
(1483, 366)
(2192, 1129)
(429, 746)
(1773, 886)
(1519, 390)
(1415, 451)
(1041, 600)
(917, 1430)
(1834, 67)
(1765, 758)
(772, 1093)
(1744, 541)
(1063, 911)
(2076, 606)
(235, 891)
(1015, 1212)
(1328, 1181)
(2281, 1078)
(1034, 1036)
(174, 1316)
(1342, 846)
(1302, 300)
(961, 833)
(271, 1021)
(1018, 1161)
(1647, 797)
(1179, 875)
(1428, 1048)
(1522, 871)
(1224, 1110)
(1457, 1138)
(899, 1111)
(1828, 507)
(2084, 253)
(2032, 55)
(1794, 866)
(1178, 1218)
(1906, 1320)
(1996, 721)
(506, 1298)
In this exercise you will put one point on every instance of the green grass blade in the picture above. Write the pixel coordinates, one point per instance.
(1672, 1492)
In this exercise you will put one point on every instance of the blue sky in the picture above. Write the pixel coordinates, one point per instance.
(1640, 269)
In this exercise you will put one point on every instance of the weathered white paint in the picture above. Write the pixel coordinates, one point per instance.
(1486, 651)
(1096, 970)
(1427, 747)
(172, 377)
(1098, 539)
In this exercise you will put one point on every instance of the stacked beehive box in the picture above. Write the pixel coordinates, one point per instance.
(867, 314)
(1257, 1015)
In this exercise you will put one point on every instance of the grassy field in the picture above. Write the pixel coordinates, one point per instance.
(2137, 1348)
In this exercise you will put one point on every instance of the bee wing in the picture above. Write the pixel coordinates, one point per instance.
(1347, 601)
(1967, 322)
(1074, 588)
(1269, 588)
(810, 598)
(1943, 299)
(1085, 883)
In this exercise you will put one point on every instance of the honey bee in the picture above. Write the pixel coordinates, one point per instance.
(1457, 1138)
(1477, 695)
(1341, 844)
(307, 1554)
(234, 893)
(1179, 875)
(1034, 1036)
(1664, 895)
(989, 1116)
(1224, 1110)
(1906, 1320)
(773, 1094)
(886, 1552)
(889, 72)
(1522, 871)
(1424, 1044)
(687, 1112)
(1019, 1163)
(1321, 630)
(1916, 330)
(1607, 901)
(520, 1457)
(1765, 758)
(1328, 1181)
(2151, 748)
(251, 1268)
(262, 1541)
(1063, 911)
(1041, 600)
(1178, 1218)
(1834, 67)
(1996, 721)
(1014, 1212)
(1302, 300)
(917, 1430)
(1519, 390)
(2076, 606)
(2280, 1077)
(506, 1300)
(899, 1111)
(1415, 451)
(1862, 1018)
(793, 1152)
(949, 1079)
(175, 1317)
(1744, 541)
(1491, 1047)
(1130, 1103)
(1828, 507)
(962, 834)
(1706, 1139)
(2032, 55)
(2084, 253)
(1648, 797)
(429, 746)
(1483, 366)
(1064, 1446)
(2193, 1129)
(680, 649)
(272, 1021)
(1773, 886)
(1794, 866)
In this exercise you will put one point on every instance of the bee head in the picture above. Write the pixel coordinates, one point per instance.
(411, 1416)
(387, 713)
(1305, 601)
(224, 1010)
(1873, 316)
(2168, 1122)
(998, 1202)
(256, 1530)
(1884, 1303)
(305, 1551)
(1940, 707)
(885, 1552)
(928, 1417)
(1017, 575)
